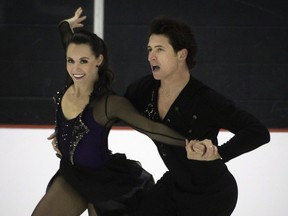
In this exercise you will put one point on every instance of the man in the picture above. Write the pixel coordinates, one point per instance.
(171, 95)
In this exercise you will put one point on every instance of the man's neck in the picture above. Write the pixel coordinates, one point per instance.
(175, 84)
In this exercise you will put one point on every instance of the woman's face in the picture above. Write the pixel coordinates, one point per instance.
(82, 64)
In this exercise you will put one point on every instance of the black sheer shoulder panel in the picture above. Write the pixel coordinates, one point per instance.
(119, 108)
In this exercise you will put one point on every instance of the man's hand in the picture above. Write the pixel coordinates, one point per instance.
(203, 150)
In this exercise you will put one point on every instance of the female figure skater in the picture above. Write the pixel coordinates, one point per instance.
(89, 175)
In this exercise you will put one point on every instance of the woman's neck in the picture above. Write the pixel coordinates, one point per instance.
(80, 92)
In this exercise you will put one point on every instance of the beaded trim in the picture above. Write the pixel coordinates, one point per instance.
(79, 128)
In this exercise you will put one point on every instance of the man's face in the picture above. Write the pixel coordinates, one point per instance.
(161, 56)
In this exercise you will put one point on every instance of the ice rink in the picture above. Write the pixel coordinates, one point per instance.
(28, 162)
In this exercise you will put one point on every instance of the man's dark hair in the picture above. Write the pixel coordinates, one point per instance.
(179, 34)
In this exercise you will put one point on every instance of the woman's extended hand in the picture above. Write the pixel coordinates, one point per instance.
(76, 20)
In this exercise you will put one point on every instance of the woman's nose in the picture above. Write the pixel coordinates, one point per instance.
(75, 67)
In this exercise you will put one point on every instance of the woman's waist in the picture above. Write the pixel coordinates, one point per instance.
(115, 163)
(88, 159)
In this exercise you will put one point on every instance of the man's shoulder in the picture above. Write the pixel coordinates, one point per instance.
(139, 92)
(148, 79)
(143, 84)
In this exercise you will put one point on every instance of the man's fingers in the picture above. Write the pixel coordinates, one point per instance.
(209, 150)
(205, 146)
(198, 147)
(188, 146)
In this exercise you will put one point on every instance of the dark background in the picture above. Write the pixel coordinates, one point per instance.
(243, 51)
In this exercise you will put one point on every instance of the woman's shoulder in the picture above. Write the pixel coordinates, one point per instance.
(115, 99)
(107, 98)
(59, 94)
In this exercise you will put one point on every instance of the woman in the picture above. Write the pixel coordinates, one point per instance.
(89, 175)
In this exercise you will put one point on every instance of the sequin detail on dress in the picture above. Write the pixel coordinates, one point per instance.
(79, 129)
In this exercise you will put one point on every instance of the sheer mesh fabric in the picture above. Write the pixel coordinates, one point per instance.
(91, 210)
(120, 108)
(112, 107)
(65, 33)
(61, 200)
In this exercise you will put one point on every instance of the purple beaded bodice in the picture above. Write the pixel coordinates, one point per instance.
(81, 140)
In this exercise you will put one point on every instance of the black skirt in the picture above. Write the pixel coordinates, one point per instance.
(114, 189)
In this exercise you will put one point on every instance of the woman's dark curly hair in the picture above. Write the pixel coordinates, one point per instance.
(106, 75)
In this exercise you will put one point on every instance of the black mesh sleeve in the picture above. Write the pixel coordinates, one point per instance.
(65, 33)
(120, 108)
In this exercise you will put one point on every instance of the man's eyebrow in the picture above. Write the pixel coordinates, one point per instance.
(157, 46)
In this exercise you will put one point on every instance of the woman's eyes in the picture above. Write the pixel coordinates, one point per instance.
(83, 61)
(70, 61)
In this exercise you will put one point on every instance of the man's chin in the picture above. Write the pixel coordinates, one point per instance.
(156, 76)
